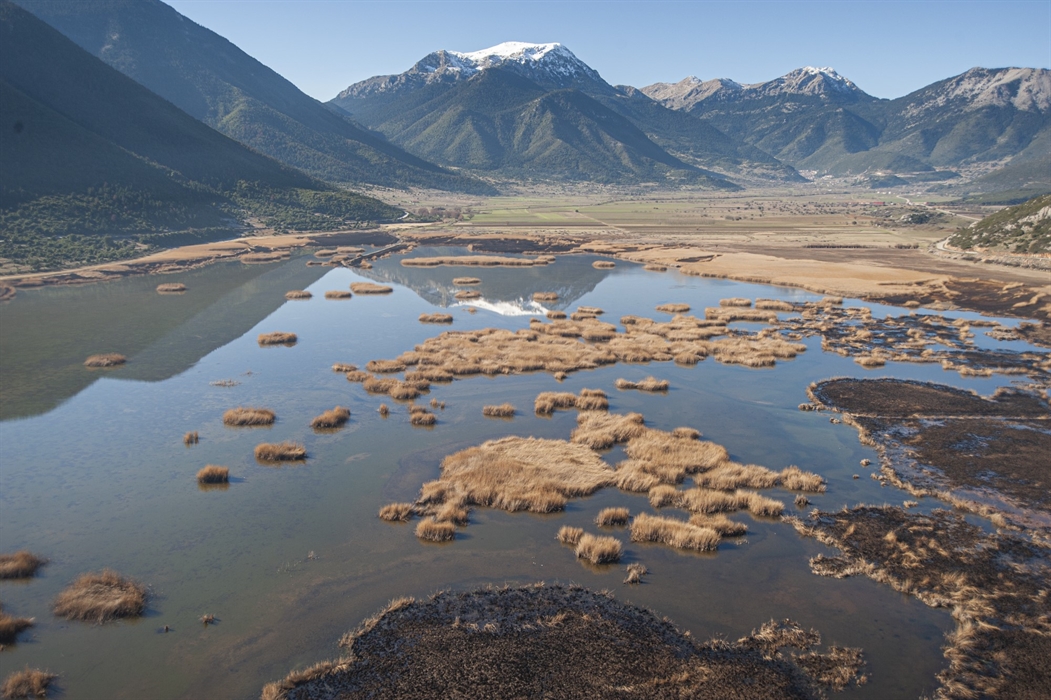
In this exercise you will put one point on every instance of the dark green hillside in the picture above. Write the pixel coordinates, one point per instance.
(212, 80)
(96, 167)
(1025, 228)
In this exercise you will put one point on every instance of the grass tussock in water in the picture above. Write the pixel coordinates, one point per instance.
(603, 264)
(338, 294)
(397, 512)
(612, 517)
(108, 359)
(385, 366)
(171, 288)
(433, 531)
(277, 338)
(245, 416)
(548, 402)
(674, 308)
(598, 549)
(11, 626)
(420, 416)
(720, 523)
(731, 475)
(567, 534)
(504, 410)
(213, 474)
(102, 596)
(655, 267)
(294, 294)
(467, 294)
(674, 533)
(464, 281)
(370, 288)
(191, 438)
(735, 301)
(648, 384)
(27, 683)
(436, 318)
(545, 296)
(332, 418)
(356, 376)
(272, 452)
(774, 305)
(21, 564)
(600, 430)
(795, 479)
(344, 367)
(635, 573)
(556, 315)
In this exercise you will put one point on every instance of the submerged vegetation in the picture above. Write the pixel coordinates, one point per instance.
(99, 597)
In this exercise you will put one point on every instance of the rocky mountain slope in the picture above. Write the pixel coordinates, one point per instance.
(1025, 228)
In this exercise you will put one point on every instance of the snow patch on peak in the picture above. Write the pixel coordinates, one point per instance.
(518, 51)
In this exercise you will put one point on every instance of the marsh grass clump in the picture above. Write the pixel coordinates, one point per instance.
(556, 315)
(674, 308)
(674, 533)
(651, 384)
(464, 281)
(370, 288)
(773, 305)
(612, 517)
(720, 523)
(277, 338)
(420, 416)
(191, 438)
(795, 479)
(603, 264)
(735, 301)
(245, 416)
(108, 359)
(467, 294)
(802, 501)
(171, 288)
(298, 294)
(27, 683)
(383, 410)
(600, 430)
(338, 294)
(344, 367)
(545, 296)
(397, 512)
(504, 410)
(332, 418)
(357, 376)
(870, 361)
(549, 401)
(731, 475)
(11, 627)
(212, 474)
(635, 573)
(598, 549)
(21, 564)
(102, 596)
(433, 531)
(567, 534)
(271, 452)
(592, 400)
(655, 267)
(436, 318)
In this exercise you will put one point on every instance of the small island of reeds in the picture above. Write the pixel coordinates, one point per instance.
(99, 597)
(275, 452)
(277, 338)
(108, 359)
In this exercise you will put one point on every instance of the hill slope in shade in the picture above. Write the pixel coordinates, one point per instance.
(212, 80)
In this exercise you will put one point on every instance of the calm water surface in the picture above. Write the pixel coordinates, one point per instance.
(93, 474)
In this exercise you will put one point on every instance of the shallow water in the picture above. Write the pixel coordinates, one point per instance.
(289, 558)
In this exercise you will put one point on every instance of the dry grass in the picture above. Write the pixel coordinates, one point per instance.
(332, 418)
(357, 376)
(464, 281)
(602, 430)
(567, 534)
(433, 531)
(344, 367)
(603, 264)
(385, 366)
(436, 318)
(370, 288)
(598, 549)
(383, 410)
(213, 474)
(674, 308)
(545, 296)
(802, 501)
(636, 571)
(654, 267)
(397, 512)
(612, 517)
(475, 261)
(108, 359)
(504, 410)
(731, 475)
(11, 627)
(27, 683)
(298, 294)
(243, 416)
(277, 338)
(720, 523)
(280, 452)
(686, 433)
(420, 416)
(647, 384)
(671, 458)
(773, 305)
(674, 533)
(102, 596)
(735, 301)
(21, 564)
(191, 438)
(547, 402)
(556, 315)
(870, 361)
(338, 294)
(795, 479)
(171, 288)
(467, 294)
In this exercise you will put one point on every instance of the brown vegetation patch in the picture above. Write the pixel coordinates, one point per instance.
(672, 532)
(567, 534)
(534, 641)
(21, 564)
(433, 531)
(436, 318)
(603, 264)
(338, 294)
(191, 438)
(420, 416)
(357, 376)
(109, 359)
(332, 418)
(344, 367)
(735, 301)
(277, 338)
(612, 517)
(545, 296)
(370, 288)
(556, 315)
(654, 267)
(27, 683)
(467, 294)
(674, 308)
(11, 626)
(903, 398)
(635, 573)
(598, 549)
(548, 402)
(397, 512)
(212, 474)
(244, 416)
(504, 410)
(647, 384)
(464, 281)
(171, 288)
(600, 430)
(102, 596)
(774, 305)
(298, 294)
(287, 451)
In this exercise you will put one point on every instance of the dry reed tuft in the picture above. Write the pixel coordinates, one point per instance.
(375, 385)
(598, 550)
(592, 400)
(592, 310)
(612, 517)
(383, 410)
(397, 512)
(464, 281)
(11, 627)
(672, 532)
(674, 308)
(109, 359)
(280, 452)
(870, 361)
(467, 294)
(295, 294)
(434, 531)
(344, 367)
(720, 523)
(773, 305)
(635, 573)
(171, 288)
(385, 366)
(212, 474)
(647, 384)
(357, 376)
(277, 338)
(21, 564)
(795, 479)
(686, 433)
(333, 418)
(27, 683)
(761, 505)
(654, 267)
(370, 288)
(603, 264)
(567, 534)
(504, 410)
(731, 475)
(436, 318)
(101, 596)
(671, 458)
(735, 301)
(547, 402)
(243, 416)
(420, 416)
(545, 296)
(338, 294)
(802, 501)
(663, 495)
(601, 430)
(191, 438)
(556, 315)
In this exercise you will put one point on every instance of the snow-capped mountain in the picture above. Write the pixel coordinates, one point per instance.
(807, 81)
(1024, 89)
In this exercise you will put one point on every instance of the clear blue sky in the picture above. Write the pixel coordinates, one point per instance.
(888, 48)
